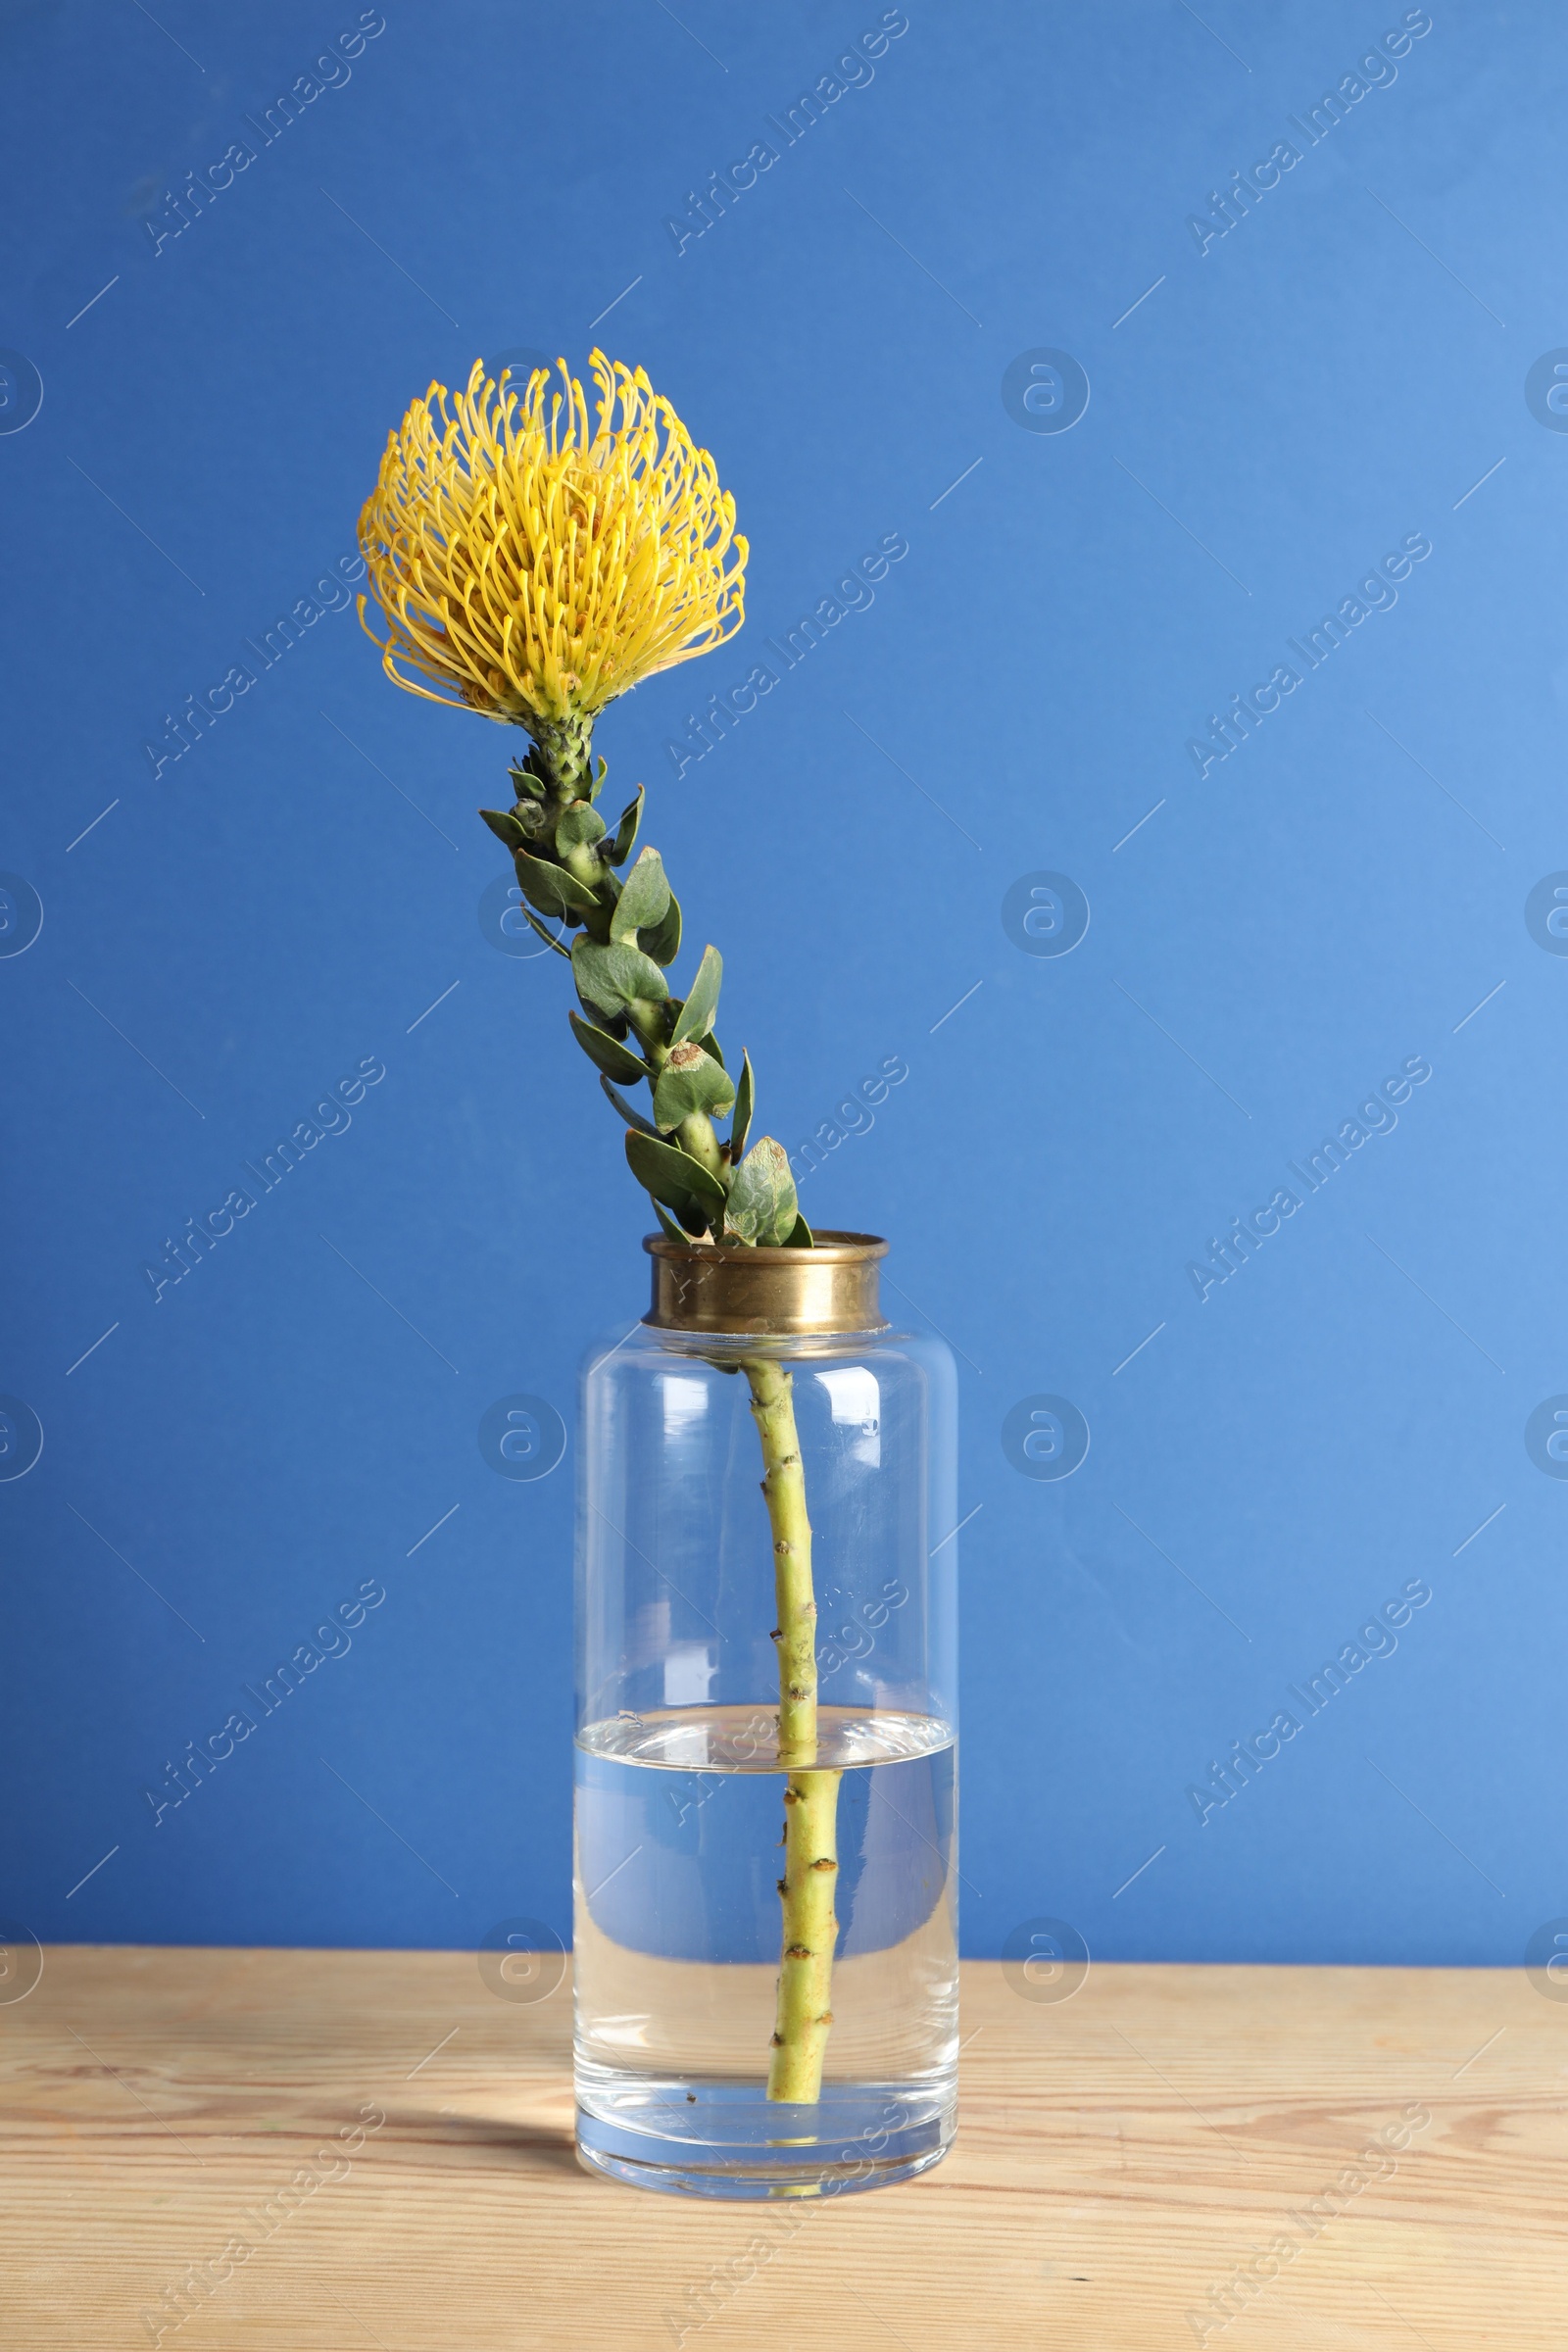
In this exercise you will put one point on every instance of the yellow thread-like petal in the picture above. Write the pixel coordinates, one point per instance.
(539, 559)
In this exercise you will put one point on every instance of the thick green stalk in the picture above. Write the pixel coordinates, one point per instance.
(550, 785)
(805, 2015)
(647, 1027)
(696, 1136)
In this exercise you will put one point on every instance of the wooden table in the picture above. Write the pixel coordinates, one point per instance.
(1121, 2155)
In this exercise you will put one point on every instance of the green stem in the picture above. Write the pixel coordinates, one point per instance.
(805, 2015)
(647, 1027)
(564, 763)
(696, 1136)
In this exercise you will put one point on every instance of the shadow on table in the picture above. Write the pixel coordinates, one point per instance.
(535, 2143)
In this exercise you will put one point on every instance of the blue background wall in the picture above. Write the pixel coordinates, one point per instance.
(1271, 412)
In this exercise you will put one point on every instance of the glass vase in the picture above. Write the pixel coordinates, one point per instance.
(766, 1936)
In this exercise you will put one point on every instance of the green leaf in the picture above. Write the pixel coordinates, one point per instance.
(609, 979)
(677, 1233)
(697, 1014)
(551, 888)
(644, 898)
(613, 1057)
(631, 816)
(578, 825)
(802, 1238)
(662, 941)
(762, 1205)
(633, 1119)
(549, 937)
(743, 1112)
(597, 786)
(672, 1176)
(691, 1081)
(526, 782)
(505, 828)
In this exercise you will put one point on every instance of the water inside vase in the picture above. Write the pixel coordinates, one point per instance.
(679, 1820)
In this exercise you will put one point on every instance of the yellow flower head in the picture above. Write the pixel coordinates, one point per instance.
(540, 564)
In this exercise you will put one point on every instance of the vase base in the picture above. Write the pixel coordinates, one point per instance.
(732, 2145)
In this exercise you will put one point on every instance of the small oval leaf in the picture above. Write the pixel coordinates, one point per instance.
(625, 841)
(702, 1003)
(691, 1081)
(633, 1119)
(662, 942)
(644, 898)
(672, 1176)
(762, 1206)
(609, 978)
(505, 828)
(743, 1112)
(578, 825)
(613, 1057)
(551, 888)
(549, 937)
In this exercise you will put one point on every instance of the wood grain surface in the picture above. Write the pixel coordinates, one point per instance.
(1121, 2156)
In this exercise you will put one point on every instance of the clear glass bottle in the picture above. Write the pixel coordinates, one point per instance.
(731, 2040)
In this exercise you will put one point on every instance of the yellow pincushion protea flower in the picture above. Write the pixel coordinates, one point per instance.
(540, 564)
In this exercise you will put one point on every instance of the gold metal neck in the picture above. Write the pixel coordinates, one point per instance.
(831, 1287)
